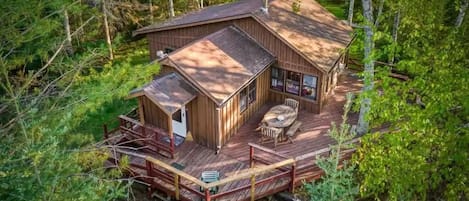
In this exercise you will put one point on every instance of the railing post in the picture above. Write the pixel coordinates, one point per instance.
(106, 134)
(293, 175)
(176, 185)
(171, 144)
(251, 157)
(253, 187)
(149, 169)
(207, 194)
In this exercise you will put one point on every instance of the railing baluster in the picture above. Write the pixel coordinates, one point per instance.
(251, 156)
(293, 172)
(207, 194)
(176, 185)
(253, 187)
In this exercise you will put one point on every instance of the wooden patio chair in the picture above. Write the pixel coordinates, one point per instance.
(292, 130)
(270, 133)
(292, 103)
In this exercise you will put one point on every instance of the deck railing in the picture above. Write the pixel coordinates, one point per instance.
(150, 138)
(158, 174)
(272, 168)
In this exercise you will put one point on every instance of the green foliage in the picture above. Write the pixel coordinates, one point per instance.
(337, 7)
(296, 6)
(423, 153)
(338, 184)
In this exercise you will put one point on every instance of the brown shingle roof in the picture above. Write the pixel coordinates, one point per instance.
(221, 63)
(314, 32)
(170, 92)
(231, 10)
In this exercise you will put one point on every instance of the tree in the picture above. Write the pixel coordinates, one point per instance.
(350, 12)
(106, 29)
(338, 184)
(43, 97)
(369, 67)
(171, 8)
(421, 154)
(395, 29)
(462, 12)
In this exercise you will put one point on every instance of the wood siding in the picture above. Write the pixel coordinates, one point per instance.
(153, 114)
(287, 58)
(203, 121)
(231, 116)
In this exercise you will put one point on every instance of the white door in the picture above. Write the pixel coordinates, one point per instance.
(179, 122)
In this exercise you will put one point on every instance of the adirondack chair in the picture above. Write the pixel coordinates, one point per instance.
(270, 133)
(292, 103)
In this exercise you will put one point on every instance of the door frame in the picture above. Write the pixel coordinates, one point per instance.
(180, 127)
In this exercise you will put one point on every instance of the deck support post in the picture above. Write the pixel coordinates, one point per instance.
(171, 135)
(149, 169)
(251, 157)
(176, 186)
(293, 172)
(253, 187)
(207, 194)
(141, 110)
(219, 132)
(106, 133)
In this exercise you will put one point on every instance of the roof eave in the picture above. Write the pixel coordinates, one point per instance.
(165, 28)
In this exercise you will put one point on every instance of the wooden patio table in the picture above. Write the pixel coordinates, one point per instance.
(272, 120)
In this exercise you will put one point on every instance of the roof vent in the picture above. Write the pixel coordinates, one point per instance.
(160, 54)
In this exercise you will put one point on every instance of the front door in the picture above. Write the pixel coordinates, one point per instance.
(179, 122)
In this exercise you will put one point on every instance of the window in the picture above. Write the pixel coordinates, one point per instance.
(177, 116)
(277, 79)
(243, 102)
(247, 96)
(293, 83)
(252, 92)
(309, 87)
(168, 50)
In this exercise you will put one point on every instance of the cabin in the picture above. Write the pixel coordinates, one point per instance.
(221, 64)
(231, 76)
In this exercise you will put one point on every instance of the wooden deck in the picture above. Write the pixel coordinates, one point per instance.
(235, 158)
(313, 130)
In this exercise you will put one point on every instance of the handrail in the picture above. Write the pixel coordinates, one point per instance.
(265, 149)
(167, 167)
(244, 175)
(130, 120)
(251, 172)
(321, 151)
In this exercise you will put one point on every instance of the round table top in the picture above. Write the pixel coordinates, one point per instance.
(288, 113)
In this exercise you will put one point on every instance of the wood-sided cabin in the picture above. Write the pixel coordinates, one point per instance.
(231, 59)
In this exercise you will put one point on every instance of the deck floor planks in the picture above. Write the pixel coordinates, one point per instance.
(234, 156)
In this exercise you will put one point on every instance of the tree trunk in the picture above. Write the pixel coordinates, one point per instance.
(68, 41)
(350, 12)
(395, 28)
(462, 12)
(380, 11)
(171, 8)
(369, 68)
(201, 3)
(106, 30)
(150, 2)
